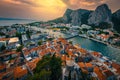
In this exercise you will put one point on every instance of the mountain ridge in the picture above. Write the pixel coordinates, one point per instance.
(101, 15)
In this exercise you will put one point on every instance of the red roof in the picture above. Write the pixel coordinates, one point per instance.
(99, 73)
(96, 54)
(88, 65)
(116, 66)
(4, 39)
(81, 64)
(19, 72)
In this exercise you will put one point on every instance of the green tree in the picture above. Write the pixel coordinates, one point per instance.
(80, 32)
(70, 42)
(105, 25)
(50, 39)
(19, 49)
(55, 66)
(49, 68)
(40, 42)
(3, 48)
(19, 35)
(28, 33)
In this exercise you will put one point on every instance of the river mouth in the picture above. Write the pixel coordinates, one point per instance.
(108, 51)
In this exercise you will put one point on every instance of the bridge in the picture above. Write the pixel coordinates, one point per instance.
(71, 37)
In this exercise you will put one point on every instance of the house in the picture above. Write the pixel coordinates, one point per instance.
(20, 72)
(85, 26)
(92, 32)
(4, 41)
(11, 33)
(13, 40)
(99, 73)
(103, 37)
(8, 55)
(109, 75)
(96, 54)
(24, 37)
(116, 67)
(68, 25)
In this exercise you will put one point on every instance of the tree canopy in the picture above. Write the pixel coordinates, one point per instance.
(49, 68)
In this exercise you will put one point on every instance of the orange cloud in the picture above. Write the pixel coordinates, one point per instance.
(48, 9)
(83, 3)
(11, 1)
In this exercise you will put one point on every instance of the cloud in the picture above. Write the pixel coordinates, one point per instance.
(23, 2)
(37, 3)
(74, 4)
(35, 9)
(29, 2)
(48, 9)
(83, 3)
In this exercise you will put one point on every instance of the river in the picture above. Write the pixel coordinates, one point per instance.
(108, 51)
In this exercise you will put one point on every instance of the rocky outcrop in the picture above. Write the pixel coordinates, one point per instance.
(66, 16)
(101, 17)
(76, 17)
(116, 20)
(101, 14)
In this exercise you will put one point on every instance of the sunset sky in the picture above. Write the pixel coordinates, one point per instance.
(48, 9)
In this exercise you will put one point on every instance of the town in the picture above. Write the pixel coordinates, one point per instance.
(22, 46)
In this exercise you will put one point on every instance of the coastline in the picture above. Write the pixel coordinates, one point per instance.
(107, 44)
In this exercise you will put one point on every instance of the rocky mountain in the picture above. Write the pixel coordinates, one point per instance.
(101, 14)
(102, 17)
(116, 20)
(76, 17)
(81, 16)
(66, 16)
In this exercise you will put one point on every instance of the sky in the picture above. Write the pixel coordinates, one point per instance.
(48, 9)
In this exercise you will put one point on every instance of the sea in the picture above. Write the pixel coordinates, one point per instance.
(11, 22)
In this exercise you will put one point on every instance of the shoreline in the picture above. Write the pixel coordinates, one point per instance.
(113, 60)
(107, 44)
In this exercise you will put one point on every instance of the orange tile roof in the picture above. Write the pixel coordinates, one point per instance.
(96, 54)
(81, 64)
(42, 53)
(62, 40)
(63, 57)
(9, 52)
(84, 70)
(108, 73)
(32, 65)
(36, 60)
(2, 66)
(4, 39)
(82, 50)
(70, 53)
(99, 73)
(116, 66)
(88, 65)
(19, 72)
(104, 36)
